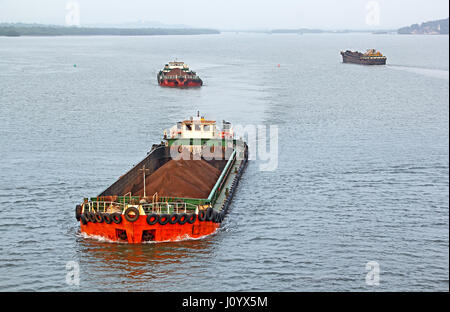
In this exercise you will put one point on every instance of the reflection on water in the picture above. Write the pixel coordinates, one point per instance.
(140, 263)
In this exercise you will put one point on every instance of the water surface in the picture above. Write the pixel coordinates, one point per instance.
(362, 172)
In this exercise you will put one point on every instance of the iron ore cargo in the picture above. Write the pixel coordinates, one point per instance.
(181, 190)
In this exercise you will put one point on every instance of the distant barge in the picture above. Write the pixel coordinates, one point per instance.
(178, 74)
(181, 190)
(371, 57)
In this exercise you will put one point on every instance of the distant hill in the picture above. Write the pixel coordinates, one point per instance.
(439, 27)
(15, 30)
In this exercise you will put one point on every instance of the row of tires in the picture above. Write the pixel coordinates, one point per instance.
(131, 214)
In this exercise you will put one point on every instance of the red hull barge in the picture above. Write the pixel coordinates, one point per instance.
(178, 75)
(189, 192)
(140, 231)
(180, 83)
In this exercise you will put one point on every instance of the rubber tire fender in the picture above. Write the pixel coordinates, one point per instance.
(91, 217)
(165, 217)
(98, 217)
(182, 219)
(191, 218)
(84, 219)
(78, 212)
(116, 217)
(215, 217)
(155, 219)
(221, 216)
(209, 214)
(174, 217)
(107, 218)
(202, 215)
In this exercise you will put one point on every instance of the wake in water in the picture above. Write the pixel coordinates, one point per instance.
(430, 72)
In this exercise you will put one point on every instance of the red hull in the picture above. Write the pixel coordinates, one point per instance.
(160, 233)
(180, 84)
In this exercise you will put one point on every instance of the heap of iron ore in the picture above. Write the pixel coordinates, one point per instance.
(178, 178)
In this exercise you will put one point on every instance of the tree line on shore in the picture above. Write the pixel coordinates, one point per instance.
(15, 30)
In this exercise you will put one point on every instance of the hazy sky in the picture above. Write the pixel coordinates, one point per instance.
(234, 14)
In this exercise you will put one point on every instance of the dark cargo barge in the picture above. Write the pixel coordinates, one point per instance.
(371, 57)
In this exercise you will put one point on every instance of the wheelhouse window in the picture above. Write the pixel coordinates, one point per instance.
(188, 127)
(206, 127)
(198, 128)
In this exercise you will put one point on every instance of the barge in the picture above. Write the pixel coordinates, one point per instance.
(181, 190)
(370, 57)
(178, 74)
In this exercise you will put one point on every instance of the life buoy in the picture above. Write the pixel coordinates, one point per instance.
(107, 218)
(174, 218)
(191, 218)
(163, 219)
(78, 212)
(131, 214)
(182, 219)
(116, 217)
(202, 215)
(152, 219)
(98, 217)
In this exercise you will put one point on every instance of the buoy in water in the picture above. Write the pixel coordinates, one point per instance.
(74, 65)
(278, 65)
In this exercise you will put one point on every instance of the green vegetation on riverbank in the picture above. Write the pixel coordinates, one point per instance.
(439, 27)
(15, 30)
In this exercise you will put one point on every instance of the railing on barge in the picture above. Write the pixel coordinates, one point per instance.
(215, 192)
(148, 208)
